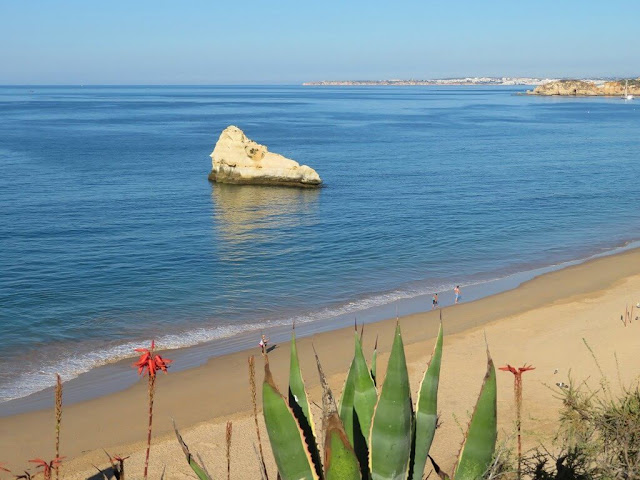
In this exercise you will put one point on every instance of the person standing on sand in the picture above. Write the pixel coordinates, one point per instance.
(435, 301)
(264, 340)
(457, 293)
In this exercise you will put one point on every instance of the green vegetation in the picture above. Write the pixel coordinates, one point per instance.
(598, 437)
(600, 431)
(377, 432)
(373, 435)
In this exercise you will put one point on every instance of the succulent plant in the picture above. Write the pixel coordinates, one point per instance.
(371, 434)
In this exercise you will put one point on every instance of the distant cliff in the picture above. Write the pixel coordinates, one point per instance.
(586, 88)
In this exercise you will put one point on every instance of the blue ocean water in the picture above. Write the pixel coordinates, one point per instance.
(110, 233)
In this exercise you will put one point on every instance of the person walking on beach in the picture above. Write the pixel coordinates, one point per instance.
(264, 341)
(456, 291)
(435, 301)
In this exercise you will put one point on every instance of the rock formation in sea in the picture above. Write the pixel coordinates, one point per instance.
(237, 159)
(618, 88)
(586, 88)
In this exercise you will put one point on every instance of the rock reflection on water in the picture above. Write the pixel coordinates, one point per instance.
(256, 213)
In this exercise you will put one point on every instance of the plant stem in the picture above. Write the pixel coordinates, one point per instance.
(152, 385)
(252, 383)
(518, 388)
(228, 438)
(58, 417)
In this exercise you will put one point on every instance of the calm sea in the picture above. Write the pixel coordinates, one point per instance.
(110, 233)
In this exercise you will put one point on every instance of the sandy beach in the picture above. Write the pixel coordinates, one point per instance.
(545, 322)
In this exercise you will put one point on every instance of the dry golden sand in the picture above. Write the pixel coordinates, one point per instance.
(544, 322)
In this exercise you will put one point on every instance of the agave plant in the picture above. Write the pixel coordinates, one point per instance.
(371, 434)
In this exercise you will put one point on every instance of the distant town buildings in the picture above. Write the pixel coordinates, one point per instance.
(442, 81)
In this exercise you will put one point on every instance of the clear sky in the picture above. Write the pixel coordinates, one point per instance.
(260, 41)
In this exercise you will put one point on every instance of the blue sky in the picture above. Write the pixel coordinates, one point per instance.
(214, 42)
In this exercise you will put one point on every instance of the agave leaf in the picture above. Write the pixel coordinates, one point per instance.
(357, 404)
(286, 438)
(365, 395)
(480, 440)
(195, 466)
(345, 406)
(391, 430)
(299, 403)
(297, 392)
(426, 411)
(340, 460)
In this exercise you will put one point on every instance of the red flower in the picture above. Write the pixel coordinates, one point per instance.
(517, 371)
(149, 362)
(517, 387)
(47, 467)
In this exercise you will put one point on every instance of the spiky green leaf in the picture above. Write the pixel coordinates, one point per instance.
(391, 429)
(426, 415)
(299, 403)
(345, 406)
(297, 392)
(340, 460)
(480, 440)
(365, 394)
(286, 438)
(195, 466)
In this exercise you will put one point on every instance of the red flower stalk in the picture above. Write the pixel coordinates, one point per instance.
(148, 364)
(58, 411)
(517, 389)
(48, 467)
(3, 468)
(117, 464)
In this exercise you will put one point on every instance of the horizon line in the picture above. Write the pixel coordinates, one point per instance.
(302, 83)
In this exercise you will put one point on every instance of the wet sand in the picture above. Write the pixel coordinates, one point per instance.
(545, 322)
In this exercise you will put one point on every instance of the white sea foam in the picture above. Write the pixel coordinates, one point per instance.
(72, 366)
(42, 377)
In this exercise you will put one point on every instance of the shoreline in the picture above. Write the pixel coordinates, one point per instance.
(114, 376)
(217, 390)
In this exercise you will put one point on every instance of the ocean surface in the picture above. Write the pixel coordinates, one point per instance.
(111, 234)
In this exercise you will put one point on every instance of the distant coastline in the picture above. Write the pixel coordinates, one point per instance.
(437, 81)
(470, 81)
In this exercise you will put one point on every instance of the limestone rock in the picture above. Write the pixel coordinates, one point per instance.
(583, 88)
(237, 159)
(567, 87)
(618, 88)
